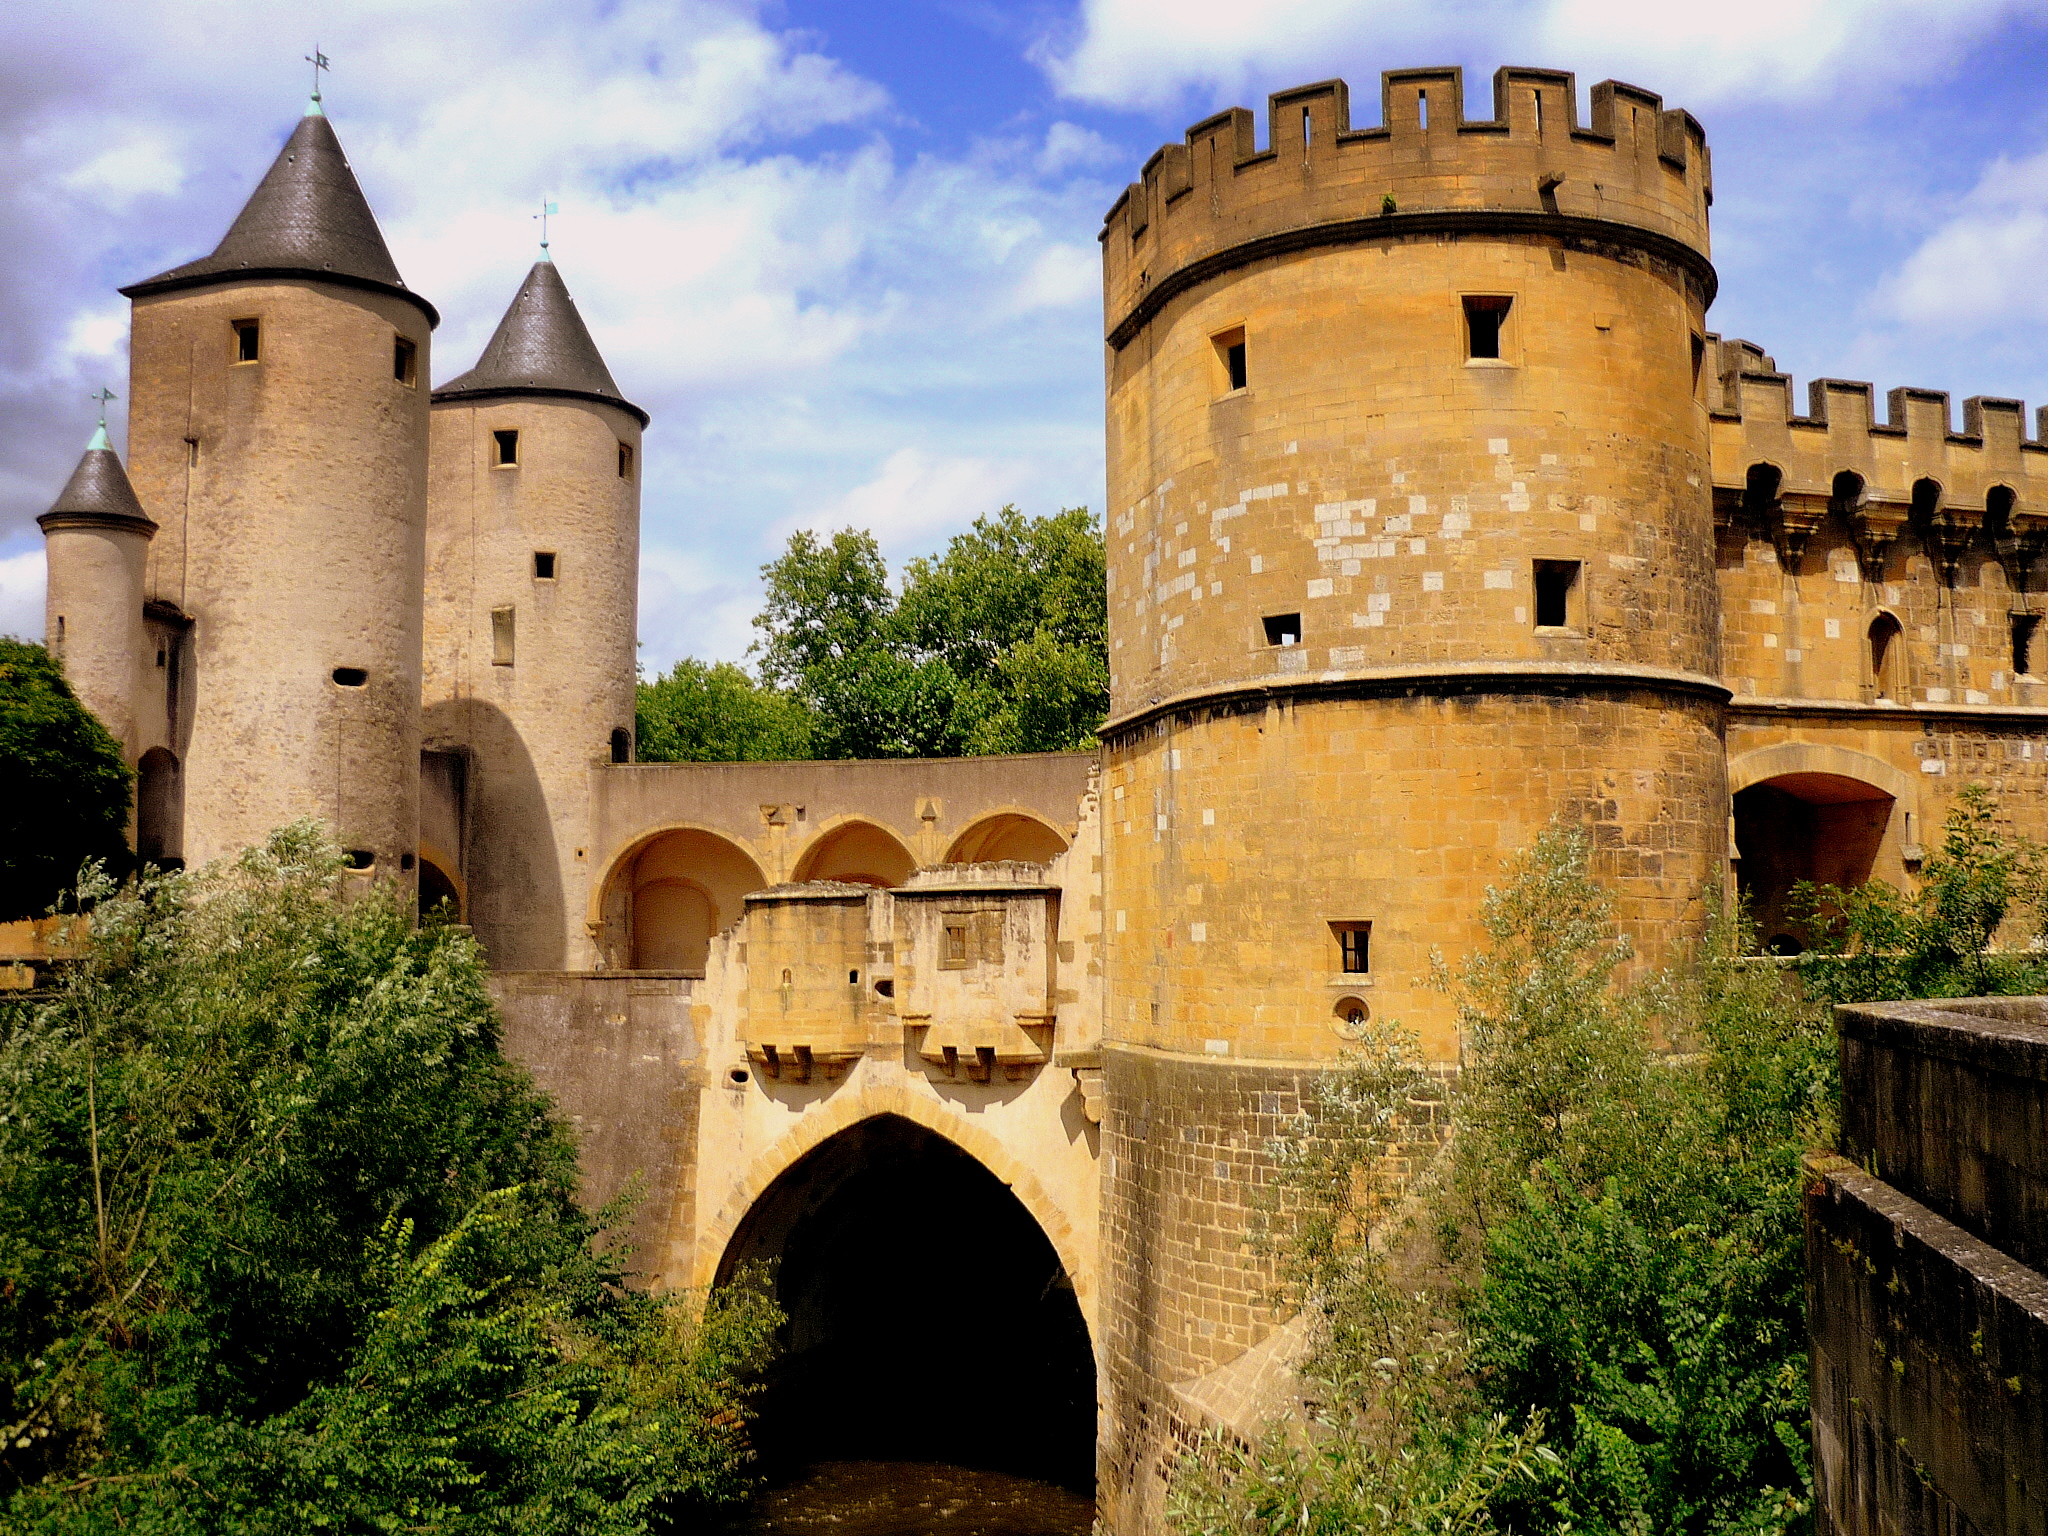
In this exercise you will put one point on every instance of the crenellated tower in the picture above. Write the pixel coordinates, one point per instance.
(278, 433)
(531, 606)
(1411, 553)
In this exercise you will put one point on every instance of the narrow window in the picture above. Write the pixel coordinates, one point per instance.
(622, 745)
(1539, 112)
(508, 448)
(543, 565)
(2024, 626)
(1699, 359)
(60, 629)
(1283, 628)
(1422, 109)
(1230, 353)
(191, 453)
(625, 461)
(1556, 580)
(1485, 315)
(1887, 659)
(404, 358)
(501, 637)
(1354, 947)
(248, 341)
(162, 656)
(1307, 130)
(350, 677)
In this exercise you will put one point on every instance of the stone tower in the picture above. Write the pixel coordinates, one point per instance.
(96, 542)
(278, 431)
(532, 602)
(1410, 554)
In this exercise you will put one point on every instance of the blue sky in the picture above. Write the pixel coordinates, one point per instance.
(845, 252)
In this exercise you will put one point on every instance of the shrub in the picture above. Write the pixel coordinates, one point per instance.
(64, 789)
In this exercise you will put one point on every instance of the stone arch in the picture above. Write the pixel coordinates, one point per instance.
(439, 878)
(1887, 673)
(1792, 757)
(857, 851)
(1009, 833)
(669, 893)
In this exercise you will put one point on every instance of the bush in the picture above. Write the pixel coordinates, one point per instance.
(698, 713)
(64, 789)
(286, 1244)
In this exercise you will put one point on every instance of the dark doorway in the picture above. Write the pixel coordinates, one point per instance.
(1822, 827)
(929, 1317)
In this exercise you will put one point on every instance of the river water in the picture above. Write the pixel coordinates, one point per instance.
(912, 1498)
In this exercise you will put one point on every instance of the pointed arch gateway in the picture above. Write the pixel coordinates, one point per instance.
(930, 1316)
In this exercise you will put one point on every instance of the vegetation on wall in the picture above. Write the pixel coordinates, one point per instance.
(287, 1245)
(998, 645)
(64, 789)
(1584, 1311)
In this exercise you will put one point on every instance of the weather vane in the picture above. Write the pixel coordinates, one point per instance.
(545, 210)
(319, 62)
(103, 395)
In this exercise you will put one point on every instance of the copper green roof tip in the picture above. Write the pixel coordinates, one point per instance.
(99, 440)
(313, 107)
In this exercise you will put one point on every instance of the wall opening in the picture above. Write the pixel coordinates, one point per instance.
(1230, 353)
(1822, 827)
(1354, 947)
(625, 461)
(1486, 316)
(159, 810)
(1282, 628)
(1007, 836)
(1887, 658)
(2025, 628)
(860, 853)
(404, 361)
(668, 900)
(1557, 588)
(248, 341)
(543, 565)
(622, 744)
(929, 1317)
(439, 894)
(505, 445)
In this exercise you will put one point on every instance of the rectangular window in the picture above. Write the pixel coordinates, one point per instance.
(958, 945)
(1699, 359)
(404, 360)
(2024, 627)
(1230, 353)
(543, 565)
(1557, 583)
(248, 341)
(508, 449)
(501, 636)
(625, 461)
(1283, 628)
(1485, 317)
(1354, 947)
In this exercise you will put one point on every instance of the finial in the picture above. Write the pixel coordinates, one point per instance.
(99, 438)
(319, 62)
(545, 210)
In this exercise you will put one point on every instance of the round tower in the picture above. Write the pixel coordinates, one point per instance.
(279, 427)
(1410, 555)
(96, 542)
(531, 623)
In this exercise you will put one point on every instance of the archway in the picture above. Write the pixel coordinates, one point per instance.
(858, 852)
(929, 1317)
(673, 894)
(1811, 826)
(1007, 835)
(159, 809)
(437, 885)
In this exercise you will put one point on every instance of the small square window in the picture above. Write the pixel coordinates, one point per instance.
(1283, 628)
(248, 341)
(543, 565)
(404, 360)
(1354, 947)
(1230, 353)
(507, 448)
(625, 461)
(1486, 315)
(1557, 585)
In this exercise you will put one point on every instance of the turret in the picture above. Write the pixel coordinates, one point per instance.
(531, 612)
(279, 430)
(96, 538)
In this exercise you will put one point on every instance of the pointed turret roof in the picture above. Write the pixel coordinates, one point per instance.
(306, 218)
(541, 347)
(98, 493)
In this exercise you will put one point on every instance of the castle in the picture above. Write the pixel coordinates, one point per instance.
(1435, 514)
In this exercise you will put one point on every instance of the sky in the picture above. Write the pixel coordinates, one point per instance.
(844, 250)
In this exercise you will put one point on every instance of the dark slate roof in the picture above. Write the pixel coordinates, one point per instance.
(98, 492)
(306, 218)
(541, 347)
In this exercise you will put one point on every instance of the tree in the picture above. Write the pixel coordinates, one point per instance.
(64, 789)
(287, 1244)
(716, 713)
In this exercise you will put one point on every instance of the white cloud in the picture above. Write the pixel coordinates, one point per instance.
(1988, 264)
(21, 595)
(916, 496)
(1154, 52)
(117, 177)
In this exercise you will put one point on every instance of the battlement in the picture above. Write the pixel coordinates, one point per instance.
(1638, 171)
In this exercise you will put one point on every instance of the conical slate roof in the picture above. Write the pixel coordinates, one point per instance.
(541, 347)
(98, 492)
(306, 218)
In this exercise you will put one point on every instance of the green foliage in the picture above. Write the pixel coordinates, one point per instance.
(285, 1243)
(999, 645)
(64, 790)
(715, 713)
(1875, 941)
